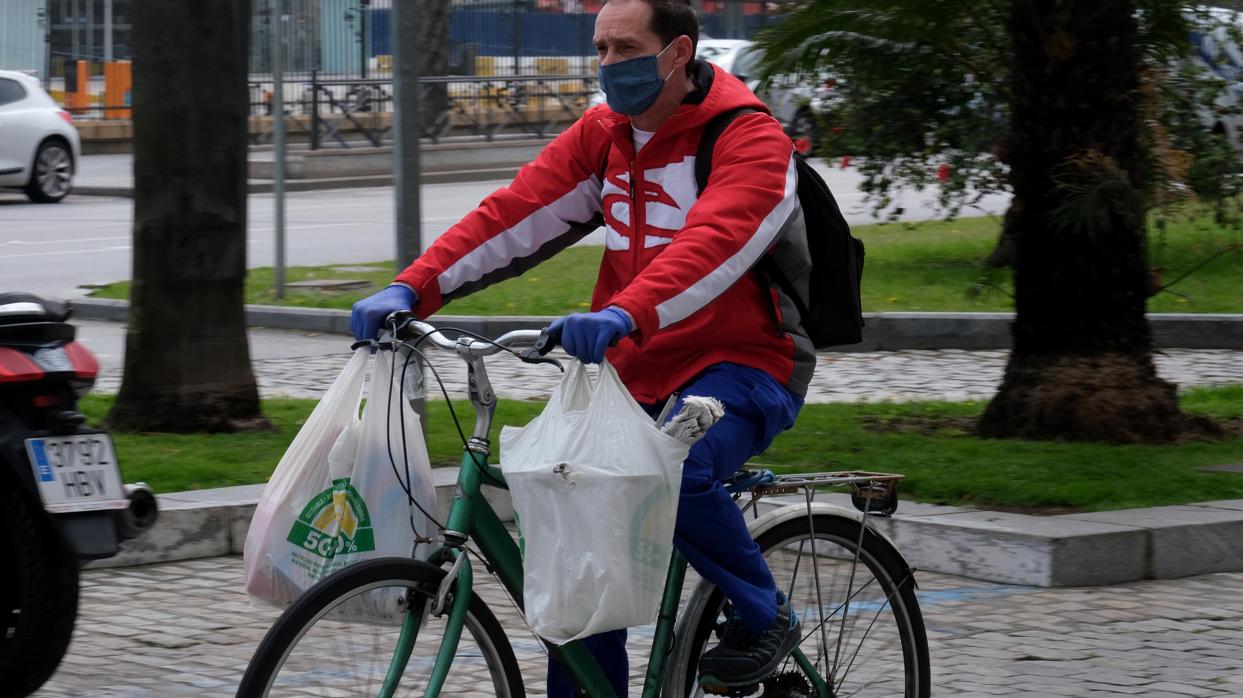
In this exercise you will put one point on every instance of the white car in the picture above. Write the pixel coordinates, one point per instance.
(39, 146)
(1219, 59)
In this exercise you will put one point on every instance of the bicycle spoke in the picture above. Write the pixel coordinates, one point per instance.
(855, 635)
(853, 568)
(822, 648)
(353, 647)
(829, 617)
(846, 672)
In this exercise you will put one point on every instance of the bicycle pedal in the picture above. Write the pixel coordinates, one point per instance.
(716, 687)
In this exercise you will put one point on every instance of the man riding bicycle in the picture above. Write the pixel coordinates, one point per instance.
(675, 289)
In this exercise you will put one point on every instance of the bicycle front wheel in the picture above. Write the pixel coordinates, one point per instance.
(862, 632)
(340, 637)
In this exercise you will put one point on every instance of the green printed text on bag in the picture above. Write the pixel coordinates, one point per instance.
(335, 522)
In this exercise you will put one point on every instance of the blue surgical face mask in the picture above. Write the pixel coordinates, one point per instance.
(632, 86)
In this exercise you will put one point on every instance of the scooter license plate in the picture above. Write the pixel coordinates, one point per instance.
(76, 472)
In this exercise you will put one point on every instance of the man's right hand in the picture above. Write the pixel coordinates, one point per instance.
(369, 313)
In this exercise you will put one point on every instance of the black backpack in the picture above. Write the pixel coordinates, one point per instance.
(829, 307)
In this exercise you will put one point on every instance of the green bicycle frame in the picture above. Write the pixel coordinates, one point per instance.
(471, 516)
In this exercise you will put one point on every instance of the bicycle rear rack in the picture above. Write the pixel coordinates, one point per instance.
(874, 494)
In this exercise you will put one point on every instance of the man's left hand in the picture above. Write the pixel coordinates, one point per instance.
(585, 336)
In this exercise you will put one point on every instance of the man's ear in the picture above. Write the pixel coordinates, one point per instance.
(684, 51)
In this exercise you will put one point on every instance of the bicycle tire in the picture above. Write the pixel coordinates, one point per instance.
(269, 672)
(879, 560)
(40, 595)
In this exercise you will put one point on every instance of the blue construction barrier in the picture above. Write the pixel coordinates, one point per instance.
(491, 33)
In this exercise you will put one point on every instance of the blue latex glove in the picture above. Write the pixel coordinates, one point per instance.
(369, 313)
(585, 336)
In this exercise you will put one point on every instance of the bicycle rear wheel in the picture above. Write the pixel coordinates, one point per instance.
(338, 639)
(861, 626)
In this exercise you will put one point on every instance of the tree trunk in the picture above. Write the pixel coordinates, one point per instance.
(187, 364)
(1081, 367)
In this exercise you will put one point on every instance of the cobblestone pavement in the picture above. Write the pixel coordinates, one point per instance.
(948, 374)
(294, 364)
(187, 629)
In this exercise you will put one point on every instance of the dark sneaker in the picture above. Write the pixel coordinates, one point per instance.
(743, 658)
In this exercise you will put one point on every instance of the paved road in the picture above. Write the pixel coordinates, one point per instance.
(301, 364)
(186, 629)
(51, 250)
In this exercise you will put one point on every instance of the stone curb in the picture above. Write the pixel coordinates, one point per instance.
(883, 331)
(208, 523)
(1095, 549)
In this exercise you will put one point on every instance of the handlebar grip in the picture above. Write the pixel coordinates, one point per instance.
(399, 320)
(549, 339)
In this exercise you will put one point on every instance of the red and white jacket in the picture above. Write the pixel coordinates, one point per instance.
(679, 263)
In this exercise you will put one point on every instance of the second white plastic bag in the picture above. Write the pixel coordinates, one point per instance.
(595, 486)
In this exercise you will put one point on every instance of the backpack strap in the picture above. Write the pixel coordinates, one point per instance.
(707, 143)
(766, 267)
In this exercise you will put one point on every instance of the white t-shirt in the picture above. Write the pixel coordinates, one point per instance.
(641, 138)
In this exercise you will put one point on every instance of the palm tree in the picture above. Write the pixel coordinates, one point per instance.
(1044, 98)
(1081, 366)
(187, 364)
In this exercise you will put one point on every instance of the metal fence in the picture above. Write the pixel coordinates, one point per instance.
(501, 65)
(349, 112)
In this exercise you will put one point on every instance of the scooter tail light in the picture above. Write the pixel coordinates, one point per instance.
(16, 367)
(85, 365)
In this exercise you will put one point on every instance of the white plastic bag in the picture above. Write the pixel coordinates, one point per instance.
(595, 487)
(334, 499)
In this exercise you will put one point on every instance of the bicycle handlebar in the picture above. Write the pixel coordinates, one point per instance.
(405, 326)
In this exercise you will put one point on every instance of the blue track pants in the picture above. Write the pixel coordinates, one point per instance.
(711, 531)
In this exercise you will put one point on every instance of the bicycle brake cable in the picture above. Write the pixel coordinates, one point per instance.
(388, 429)
(457, 423)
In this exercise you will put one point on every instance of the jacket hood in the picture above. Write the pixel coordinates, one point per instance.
(716, 91)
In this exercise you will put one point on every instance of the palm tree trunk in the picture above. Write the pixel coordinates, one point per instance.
(1081, 367)
(187, 364)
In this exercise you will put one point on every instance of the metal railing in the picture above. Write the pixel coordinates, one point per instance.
(346, 112)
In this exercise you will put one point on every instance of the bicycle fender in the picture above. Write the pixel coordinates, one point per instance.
(780, 515)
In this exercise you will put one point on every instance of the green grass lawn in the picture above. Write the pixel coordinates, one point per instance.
(929, 442)
(933, 266)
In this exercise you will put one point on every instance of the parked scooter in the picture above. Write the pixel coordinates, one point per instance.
(62, 502)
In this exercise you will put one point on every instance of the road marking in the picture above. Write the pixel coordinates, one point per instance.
(64, 240)
(117, 248)
(312, 226)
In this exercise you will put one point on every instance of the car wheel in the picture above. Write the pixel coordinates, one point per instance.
(51, 178)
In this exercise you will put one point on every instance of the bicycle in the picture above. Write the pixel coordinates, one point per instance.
(863, 633)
